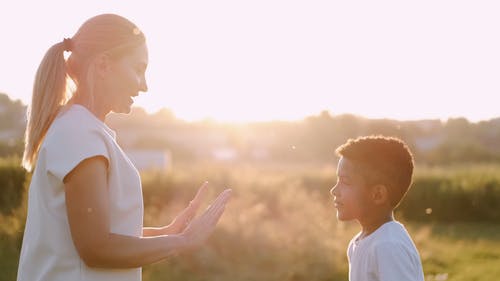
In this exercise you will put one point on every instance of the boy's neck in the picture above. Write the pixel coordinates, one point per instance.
(369, 225)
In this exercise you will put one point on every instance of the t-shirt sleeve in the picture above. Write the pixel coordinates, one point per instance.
(394, 262)
(67, 149)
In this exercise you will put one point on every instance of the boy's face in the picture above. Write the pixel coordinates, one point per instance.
(350, 195)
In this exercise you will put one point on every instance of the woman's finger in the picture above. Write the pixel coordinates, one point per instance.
(204, 224)
(215, 212)
(221, 199)
(193, 206)
(200, 195)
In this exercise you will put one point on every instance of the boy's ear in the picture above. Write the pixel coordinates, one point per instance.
(380, 194)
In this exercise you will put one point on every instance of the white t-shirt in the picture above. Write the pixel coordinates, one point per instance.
(48, 252)
(387, 254)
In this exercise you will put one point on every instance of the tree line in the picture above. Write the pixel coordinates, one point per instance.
(314, 138)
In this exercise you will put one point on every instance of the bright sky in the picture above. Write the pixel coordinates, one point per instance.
(234, 60)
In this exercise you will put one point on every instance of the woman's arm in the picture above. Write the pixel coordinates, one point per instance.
(88, 215)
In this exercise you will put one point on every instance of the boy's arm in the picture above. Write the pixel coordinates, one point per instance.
(396, 262)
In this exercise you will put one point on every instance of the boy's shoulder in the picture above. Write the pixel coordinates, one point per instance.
(391, 240)
(389, 236)
(388, 253)
(392, 233)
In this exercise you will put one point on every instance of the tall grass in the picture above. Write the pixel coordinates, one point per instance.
(454, 194)
(276, 227)
(280, 223)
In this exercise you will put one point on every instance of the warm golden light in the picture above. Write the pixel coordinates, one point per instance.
(296, 60)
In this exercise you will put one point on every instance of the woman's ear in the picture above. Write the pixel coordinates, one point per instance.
(380, 194)
(102, 65)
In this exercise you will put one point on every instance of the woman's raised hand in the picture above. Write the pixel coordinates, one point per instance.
(185, 216)
(200, 228)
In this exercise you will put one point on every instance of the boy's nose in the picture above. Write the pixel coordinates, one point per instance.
(332, 191)
(335, 191)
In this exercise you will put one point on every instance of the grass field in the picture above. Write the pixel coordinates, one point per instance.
(280, 225)
(449, 252)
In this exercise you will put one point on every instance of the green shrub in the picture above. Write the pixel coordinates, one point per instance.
(467, 193)
(12, 179)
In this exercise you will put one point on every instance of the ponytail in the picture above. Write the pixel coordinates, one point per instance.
(49, 94)
(103, 33)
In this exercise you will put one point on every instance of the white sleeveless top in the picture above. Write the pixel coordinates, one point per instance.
(48, 252)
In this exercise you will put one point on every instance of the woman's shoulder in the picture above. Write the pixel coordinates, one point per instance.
(76, 123)
(72, 137)
(75, 114)
(78, 118)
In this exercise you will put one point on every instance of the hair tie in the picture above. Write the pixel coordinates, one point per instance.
(67, 44)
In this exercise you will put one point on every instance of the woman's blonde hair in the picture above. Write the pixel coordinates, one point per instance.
(106, 33)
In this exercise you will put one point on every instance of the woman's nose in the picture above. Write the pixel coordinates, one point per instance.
(144, 85)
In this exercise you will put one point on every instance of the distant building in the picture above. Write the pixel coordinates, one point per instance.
(150, 159)
(428, 142)
(224, 154)
(10, 135)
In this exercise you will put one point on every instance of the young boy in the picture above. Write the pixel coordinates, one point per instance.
(374, 173)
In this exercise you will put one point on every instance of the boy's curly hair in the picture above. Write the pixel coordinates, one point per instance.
(381, 160)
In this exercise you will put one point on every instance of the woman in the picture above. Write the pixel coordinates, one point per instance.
(85, 207)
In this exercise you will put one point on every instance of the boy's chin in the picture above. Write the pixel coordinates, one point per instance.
(342, 217)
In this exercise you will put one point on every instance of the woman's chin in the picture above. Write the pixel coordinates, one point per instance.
(123, 109)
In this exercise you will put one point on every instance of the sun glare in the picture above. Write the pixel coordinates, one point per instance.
(296, 60)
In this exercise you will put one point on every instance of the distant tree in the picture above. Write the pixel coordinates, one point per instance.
(312, 139)
(12, 114)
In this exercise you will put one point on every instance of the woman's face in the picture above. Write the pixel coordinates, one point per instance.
(126, 79)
